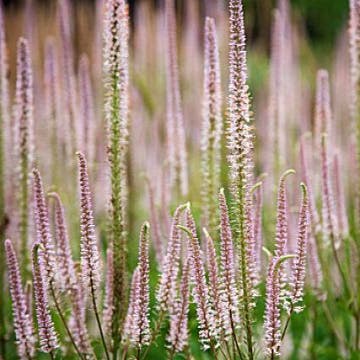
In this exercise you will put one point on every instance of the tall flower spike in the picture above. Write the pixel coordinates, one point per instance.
(86, 109)
(282, 217)
(229, 292)
(178, 334)
(272, 323)
(167, 288)
(52, 103)
(128, 332)
(257, 225)
(116, 87)
(322, 106)
(43, 232)
(240, 158)
(24, 141)
(201, 292)
(89, 252)
(329, 223)
(64, 257)
(175, 128)
(214, 283)
(299, 264)
(90, 259)
(212, 127)
(69, 82)
(141, 330)
(22, 319)
(47, 334)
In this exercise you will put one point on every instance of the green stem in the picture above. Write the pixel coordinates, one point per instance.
(93, 298)
(62, 317)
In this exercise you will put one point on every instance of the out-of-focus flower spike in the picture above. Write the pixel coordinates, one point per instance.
(141, 331)
(167, 288)
(339, 198)
(214, 283)
(322, 106)
(178, 334)
(22, 318)
(229, 292)
(86, 109)
(176, 141)
(43, 232)
(130, 316)
(47, 335)
(299, 264)
(52, 103)
(65, 261)
(329, 223)
(212, 127)
(109, 292)
(116, 96)
(90, 259)
(207, 328)
(69, 81)
(24, 142)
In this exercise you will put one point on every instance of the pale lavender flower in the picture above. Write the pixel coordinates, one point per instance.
(205, 316)
(299, 264)
(90, 260)
(282, 226)
(323, 114)
(175, 129)
(64, 257)
(167, 287)
(43, 232)
(24, 148)
(69, 81)
(272, 323)
(47, 334)
(329, 221)
(141, 326)
(22, 318)
(130, 316)
(339, 198)
(229, 292)
(212, 127)
(178, 334)
(214, 280)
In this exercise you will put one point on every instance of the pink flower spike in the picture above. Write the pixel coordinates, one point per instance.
(178, 335)
(43, 232)
(90, 259)
(141, 325)
(299, 264)
(109, 292)
(47, 334)
(167, 288)
(22, 318)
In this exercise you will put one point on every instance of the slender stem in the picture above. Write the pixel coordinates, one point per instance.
(52, 355)
(62, 317)
(357, 331)
(138, 353)
(287, 321)
(234, 334)
(93, 298)
(126, 348)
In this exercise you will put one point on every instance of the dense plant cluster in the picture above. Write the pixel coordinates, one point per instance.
(230, 257)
